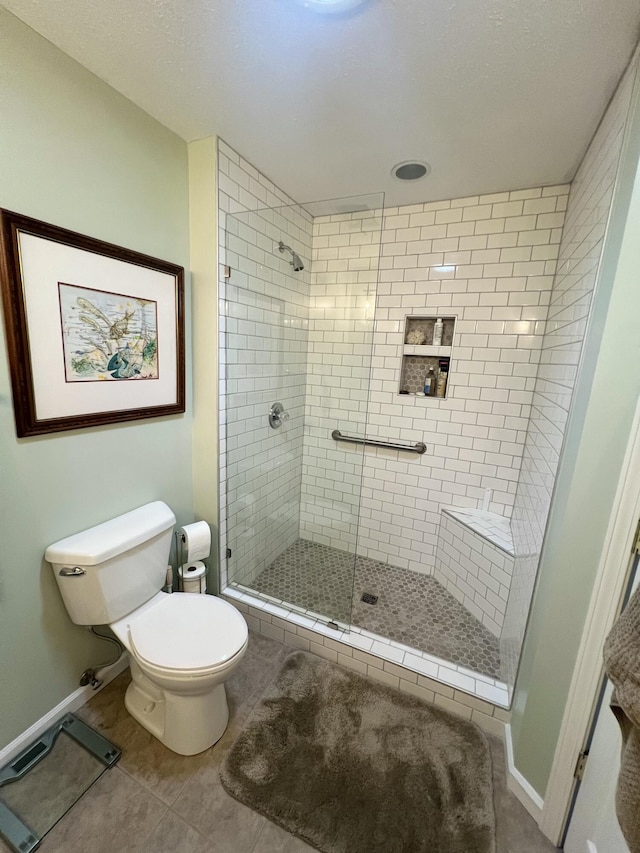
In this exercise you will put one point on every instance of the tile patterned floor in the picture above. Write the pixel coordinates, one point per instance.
(155, 801)
(413, 609)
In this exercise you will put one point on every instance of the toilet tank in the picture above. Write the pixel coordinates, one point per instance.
(107, 571)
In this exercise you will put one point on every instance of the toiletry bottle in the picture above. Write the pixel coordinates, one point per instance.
(437, 332)
(430, 383)
(441, 386)
(443, 375)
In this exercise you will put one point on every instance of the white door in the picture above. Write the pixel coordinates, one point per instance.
(594, 826)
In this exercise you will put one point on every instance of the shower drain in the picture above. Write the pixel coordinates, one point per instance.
(369, 598)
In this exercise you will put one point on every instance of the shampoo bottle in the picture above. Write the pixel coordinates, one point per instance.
(437, 332)
(441, 386)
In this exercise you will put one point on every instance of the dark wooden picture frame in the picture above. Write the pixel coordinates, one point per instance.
(125, 308)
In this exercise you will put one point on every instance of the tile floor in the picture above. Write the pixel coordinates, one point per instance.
(413, 609)
(155, 801)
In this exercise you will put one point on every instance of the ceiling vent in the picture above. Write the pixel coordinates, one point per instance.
(411, 170)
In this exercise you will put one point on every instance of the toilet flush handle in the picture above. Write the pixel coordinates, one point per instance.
(75, 572)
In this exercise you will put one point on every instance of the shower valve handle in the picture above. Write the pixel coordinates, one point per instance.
(277, 415)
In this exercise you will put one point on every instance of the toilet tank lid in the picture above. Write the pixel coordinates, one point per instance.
(104, 541)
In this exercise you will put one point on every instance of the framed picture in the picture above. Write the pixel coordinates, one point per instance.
(95, 332)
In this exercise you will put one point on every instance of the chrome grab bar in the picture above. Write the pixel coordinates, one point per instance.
(420, 447)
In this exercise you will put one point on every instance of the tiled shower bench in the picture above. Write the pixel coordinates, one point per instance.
(474, 561)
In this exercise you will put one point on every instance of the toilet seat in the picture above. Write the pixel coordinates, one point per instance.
(186, 634)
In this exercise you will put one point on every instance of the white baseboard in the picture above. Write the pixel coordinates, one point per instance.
(518, 785)
(74, 701)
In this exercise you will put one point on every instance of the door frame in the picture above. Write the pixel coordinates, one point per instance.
(606, 600)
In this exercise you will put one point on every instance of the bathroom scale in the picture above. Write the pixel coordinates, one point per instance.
(41, 784)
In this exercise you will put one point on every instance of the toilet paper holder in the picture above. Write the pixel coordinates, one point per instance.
(195, 541)
(193, 577)
(188, 579)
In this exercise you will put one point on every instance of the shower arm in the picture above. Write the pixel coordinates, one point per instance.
(296, 261)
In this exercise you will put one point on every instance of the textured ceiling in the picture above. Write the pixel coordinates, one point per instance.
(494, 94)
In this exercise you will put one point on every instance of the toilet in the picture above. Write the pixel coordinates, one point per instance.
(182, 647)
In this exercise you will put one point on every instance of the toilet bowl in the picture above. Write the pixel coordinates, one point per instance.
(182, 648)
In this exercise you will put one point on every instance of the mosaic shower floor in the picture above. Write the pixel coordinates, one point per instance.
(413, 609)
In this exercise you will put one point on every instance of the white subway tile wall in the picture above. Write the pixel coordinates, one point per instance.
(264, 307)
(474, 569)
(489, 261)
(345, 258)
(578, 265)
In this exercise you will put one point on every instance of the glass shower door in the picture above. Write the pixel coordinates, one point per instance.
(296, 354)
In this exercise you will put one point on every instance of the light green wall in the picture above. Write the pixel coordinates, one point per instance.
(203, 232)
(605, 399)
(75, 153)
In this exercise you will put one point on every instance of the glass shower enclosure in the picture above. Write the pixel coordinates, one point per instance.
(297, 324)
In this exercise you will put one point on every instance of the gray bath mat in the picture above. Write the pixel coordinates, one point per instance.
(352, 766)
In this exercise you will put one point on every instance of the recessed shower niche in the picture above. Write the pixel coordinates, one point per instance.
(426, 356)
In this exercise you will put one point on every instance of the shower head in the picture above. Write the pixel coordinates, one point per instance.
(296, 261)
